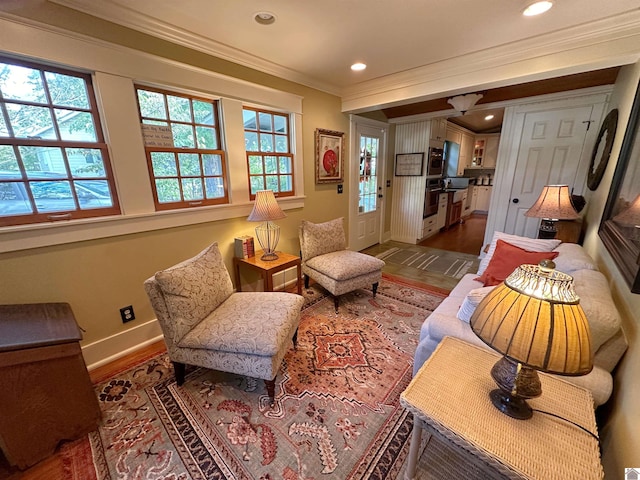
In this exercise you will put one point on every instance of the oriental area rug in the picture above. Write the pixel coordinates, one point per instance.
(336, 412)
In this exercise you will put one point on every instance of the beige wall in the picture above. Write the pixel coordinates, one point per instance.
(98, 277)
(621, 431)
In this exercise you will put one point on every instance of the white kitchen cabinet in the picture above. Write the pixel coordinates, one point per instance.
(466, 152)
(454, 135)
(442, 211)
(429, 226)
(483, 199)
(439, 129)
(474, 199)
(485, 151)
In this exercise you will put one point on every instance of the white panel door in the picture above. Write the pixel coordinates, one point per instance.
(367, 172)
(550, 151)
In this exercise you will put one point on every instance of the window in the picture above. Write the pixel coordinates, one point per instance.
(267, 139)
(187, 166)
(367, 189)
(54, 163)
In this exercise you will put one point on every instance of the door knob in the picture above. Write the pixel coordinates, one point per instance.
(515, 200)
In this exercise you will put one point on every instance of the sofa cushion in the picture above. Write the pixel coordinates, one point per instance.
(345, 264)
(595, 299)
(194, 288)
(471, 301)
(573, 258)
(531, 244)
(506, 258)
(320, 238)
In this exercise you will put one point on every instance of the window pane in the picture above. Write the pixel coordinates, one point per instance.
(67, 91)
(179, 108)
(168, 190)
(280, 124)
(13, 198)
(212, 164)
(286, 183)
(266, 143)
(53, 196)
(192, 188)
(272, 182)
(249, 119)
(42, 162)
(164, 164)
(93, 194)
(29, 121)
(282, 144)
(152, 104)
(189, 164)
(257, 183)
(255, 165)
(265, 122)
(206, 138)
(8, 163)
(214, 187)
(75, 126)
(183, 136)
(251, 142)
(203, 112)
(285, 165)
(85, 162)
(270, 165)
(21, 83)
(4, 131)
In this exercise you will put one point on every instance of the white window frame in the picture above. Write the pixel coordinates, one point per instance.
(115, 70)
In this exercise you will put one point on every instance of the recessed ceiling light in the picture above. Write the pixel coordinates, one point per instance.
(538, 7)
(489, 117)
(264, 18)
(356, 67)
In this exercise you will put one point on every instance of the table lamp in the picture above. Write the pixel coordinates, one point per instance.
(553, 204)
(266, 209)
(535, 321)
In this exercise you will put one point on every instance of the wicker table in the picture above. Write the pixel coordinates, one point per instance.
(449, 397)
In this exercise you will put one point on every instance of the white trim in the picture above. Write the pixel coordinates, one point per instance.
(116, 346)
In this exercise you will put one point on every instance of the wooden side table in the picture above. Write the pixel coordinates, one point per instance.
(266, 269)
(46, 393)
(449, 397)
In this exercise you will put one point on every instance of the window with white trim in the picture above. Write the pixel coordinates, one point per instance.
(54, 162)
(186, 161)
(267, 138)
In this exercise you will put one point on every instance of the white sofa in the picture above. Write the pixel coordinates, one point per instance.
(608, 340)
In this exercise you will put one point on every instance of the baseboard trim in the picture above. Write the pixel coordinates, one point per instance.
(116, 346)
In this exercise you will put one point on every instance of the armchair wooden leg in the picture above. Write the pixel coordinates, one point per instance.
(271, 389)
(336, 302)
(295, 339)
(374, 287)
(306, 281)
(179, 369)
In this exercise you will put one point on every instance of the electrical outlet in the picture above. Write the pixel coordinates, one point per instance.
(126, 313)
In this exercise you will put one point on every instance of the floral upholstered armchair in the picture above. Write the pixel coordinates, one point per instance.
(206, 324)
(326, 260)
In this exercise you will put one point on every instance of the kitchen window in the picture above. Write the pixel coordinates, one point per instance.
(267, 138)
(54, 162)
(186, 162)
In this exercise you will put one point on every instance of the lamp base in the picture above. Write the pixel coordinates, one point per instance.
(269, 256)
(268, 234)
(517, 382)
(547, 229)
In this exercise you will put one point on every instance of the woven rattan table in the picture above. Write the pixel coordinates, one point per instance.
(449, 398)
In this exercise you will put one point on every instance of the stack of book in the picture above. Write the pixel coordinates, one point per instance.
(244, 247)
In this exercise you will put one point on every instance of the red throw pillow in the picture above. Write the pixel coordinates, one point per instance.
(507, 258)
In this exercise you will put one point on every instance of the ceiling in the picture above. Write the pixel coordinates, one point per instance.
(315, 42)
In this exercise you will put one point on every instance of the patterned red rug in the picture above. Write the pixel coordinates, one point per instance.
(336, 409)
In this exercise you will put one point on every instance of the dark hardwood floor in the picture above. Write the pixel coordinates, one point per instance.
(466, 237)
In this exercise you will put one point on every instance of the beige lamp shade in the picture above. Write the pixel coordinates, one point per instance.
(630, 217)
(265, 208)
(554, 203)
(534, 318)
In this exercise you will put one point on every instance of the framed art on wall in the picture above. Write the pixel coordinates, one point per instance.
(620, 225)
(329, 156)
(409, 164)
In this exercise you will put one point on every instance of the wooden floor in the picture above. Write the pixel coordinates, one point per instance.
(466, 237)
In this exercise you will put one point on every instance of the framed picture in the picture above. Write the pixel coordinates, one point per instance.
(620, 224)
(329, 156)
(409, 164)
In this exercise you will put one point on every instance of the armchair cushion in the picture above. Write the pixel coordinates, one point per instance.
(345, 264)
(194, 288)
(320, 238)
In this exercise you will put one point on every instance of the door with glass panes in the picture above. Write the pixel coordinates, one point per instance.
(367, 171)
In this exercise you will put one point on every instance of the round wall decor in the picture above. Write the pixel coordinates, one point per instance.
(602, 149)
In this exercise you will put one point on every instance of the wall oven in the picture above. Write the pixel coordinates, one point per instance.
(431, 197)
(435, 161)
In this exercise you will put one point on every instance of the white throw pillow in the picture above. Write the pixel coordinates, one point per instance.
(573, 258)
(471, 301)
(531, 244)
